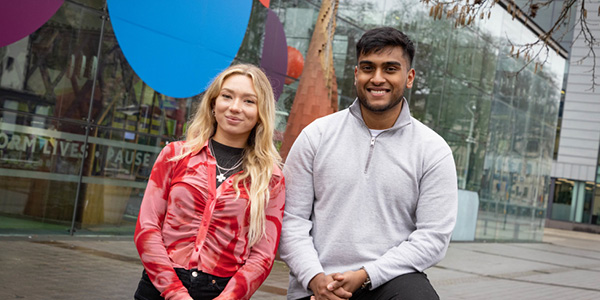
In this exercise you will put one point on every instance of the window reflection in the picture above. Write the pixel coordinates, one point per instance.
(500, 125)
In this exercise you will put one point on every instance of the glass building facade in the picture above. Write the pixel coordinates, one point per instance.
(575, 187)
(79, 130)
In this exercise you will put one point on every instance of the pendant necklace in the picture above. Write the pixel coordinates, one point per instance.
(223, 171)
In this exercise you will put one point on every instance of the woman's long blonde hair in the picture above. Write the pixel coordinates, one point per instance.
(260, 154)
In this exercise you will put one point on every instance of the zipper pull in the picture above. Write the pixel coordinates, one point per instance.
(372, 141)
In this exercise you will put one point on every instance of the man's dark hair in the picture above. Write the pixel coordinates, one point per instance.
(376, 39)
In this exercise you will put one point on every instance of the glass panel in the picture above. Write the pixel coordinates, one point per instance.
(596, 206)
(500, 127)
(131, 125)
(563, 195)
(514, 182)
(587, 199)
(115, 179)
(573, 201)
(44, 99)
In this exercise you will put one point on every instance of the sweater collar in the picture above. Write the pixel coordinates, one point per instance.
(402, 120)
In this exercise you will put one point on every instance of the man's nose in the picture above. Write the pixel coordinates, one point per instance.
(378, 77)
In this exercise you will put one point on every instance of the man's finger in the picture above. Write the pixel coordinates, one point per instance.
(333, 285)
(336, 283)
(338, 276)
(342, 293)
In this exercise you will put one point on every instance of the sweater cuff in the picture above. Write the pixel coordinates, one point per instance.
(309, 275)
(373, 275)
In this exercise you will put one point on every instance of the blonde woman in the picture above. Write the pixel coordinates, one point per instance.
(210, 220)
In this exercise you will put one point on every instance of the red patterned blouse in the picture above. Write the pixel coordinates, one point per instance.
(186, 222)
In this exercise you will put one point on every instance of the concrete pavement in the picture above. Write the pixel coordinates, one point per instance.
(566, 265)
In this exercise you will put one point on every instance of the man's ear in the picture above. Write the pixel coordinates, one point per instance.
(410, 78)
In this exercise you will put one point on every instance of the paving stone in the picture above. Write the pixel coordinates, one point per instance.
(565, 266)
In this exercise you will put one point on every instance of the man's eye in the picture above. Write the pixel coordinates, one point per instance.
(392, 69)
(366, 68)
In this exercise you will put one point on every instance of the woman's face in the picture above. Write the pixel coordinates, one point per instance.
(236, 111)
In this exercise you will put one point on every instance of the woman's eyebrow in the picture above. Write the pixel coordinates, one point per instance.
(243, 94)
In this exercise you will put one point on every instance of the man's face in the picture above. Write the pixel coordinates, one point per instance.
(380, 78)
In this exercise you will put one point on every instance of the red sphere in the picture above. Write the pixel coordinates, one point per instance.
(295, 64)
(265, 3)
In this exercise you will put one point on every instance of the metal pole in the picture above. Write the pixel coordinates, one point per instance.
(470, 106)
(88, 123)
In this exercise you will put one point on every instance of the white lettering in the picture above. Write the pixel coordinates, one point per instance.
(146, 160)
(54, 145)
(110, 153)
(45, 149)
(128, 157)
(138, 158)
(29, 143)
(74, 152)
(119, 158)
(14, 142)
(3, 140)
(64, 147)
(82, 150)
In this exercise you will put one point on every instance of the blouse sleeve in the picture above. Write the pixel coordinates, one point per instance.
(260, 260)
(148, 232)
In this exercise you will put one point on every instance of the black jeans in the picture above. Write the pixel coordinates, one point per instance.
(201, 286)
(411, 286)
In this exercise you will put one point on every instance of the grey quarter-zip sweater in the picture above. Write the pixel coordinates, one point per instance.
(387, 204)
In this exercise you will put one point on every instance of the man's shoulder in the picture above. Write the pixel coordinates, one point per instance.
(328, 120)
(424, 130)
(429, 137)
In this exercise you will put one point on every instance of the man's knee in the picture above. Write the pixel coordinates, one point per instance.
(412, 286)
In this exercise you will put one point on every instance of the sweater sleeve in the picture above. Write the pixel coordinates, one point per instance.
(148, 232)
(435, 219)
(297, 247)
(260, 260)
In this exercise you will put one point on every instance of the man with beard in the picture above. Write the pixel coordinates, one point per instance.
(371, 193)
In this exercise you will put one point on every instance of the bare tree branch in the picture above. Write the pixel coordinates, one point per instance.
(590, 40)
(465, 12)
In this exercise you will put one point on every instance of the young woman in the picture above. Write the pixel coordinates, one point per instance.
(210, 219)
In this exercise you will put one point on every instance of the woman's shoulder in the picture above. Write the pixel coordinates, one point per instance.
(277, 173)
(173, 147)
(177, 144)
(277, 183)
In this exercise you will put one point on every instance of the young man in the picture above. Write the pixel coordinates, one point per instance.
(371, 193)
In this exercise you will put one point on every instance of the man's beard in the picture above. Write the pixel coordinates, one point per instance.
(363, 101)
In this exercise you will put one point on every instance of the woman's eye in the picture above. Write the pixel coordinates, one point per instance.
(226, 96)
(250, 101)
